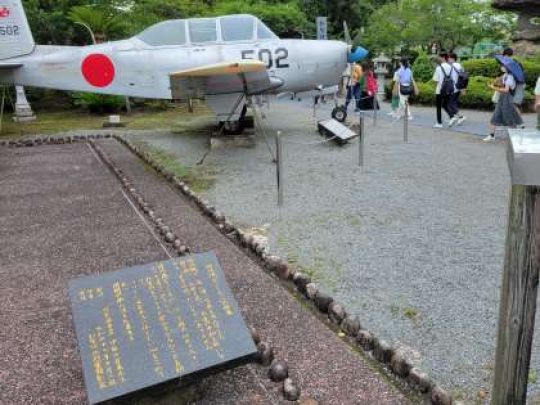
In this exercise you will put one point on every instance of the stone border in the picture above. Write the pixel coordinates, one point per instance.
(348, 326)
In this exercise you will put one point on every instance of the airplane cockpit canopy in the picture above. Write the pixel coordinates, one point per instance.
(196, 31)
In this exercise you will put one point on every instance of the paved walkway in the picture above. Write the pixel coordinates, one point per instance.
(63, 214)
(476, 122)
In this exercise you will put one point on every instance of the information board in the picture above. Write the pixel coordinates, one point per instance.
(144, 325)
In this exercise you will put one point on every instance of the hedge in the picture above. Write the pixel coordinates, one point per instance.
(489, 67)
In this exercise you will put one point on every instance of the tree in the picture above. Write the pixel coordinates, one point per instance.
(447, 23)
(104, 22)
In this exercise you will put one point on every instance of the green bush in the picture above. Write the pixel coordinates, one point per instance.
(490, 68)
(487, 67)
(98, 103)
(423, 68)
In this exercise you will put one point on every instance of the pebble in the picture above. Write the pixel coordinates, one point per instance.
(311, 290)
(265, 353)
(382, 350)
(400, 365)
(322, 301)
(169, 237)
(365, 340)
(290, 390)
(440, 397)
(301, 281)
(336, 312)
(351, 325)
(419, 380)
(279, 370)
(255, 335)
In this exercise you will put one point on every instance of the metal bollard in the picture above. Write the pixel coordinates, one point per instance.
(279, 167)
(406, 123)
(375, 105)
(2, 106)
(361, 135)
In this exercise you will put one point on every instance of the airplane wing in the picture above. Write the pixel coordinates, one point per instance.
(246, 76)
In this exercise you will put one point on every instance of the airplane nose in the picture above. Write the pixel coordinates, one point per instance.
(356, 54)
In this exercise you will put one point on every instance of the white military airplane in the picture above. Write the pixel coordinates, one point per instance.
(224, 60)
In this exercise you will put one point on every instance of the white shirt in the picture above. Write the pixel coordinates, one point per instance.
(508, 80)
(537, 88)
(438, 76)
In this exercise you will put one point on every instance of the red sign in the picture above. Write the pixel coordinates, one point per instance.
(4, 12)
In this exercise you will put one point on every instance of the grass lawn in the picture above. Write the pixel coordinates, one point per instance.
(176, 119)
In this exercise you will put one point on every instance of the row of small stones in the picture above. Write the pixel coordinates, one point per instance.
(51, 140)
(279, 370)
(336, 312)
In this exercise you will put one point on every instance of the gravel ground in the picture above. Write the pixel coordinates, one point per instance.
(413, 242)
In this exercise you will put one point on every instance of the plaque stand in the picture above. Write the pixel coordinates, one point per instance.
(23, 110)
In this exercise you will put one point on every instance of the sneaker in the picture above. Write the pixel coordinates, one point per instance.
(452, 122)
(410, 117)
(489, 138)
(391, 113)
(461, 120)
(438, 126)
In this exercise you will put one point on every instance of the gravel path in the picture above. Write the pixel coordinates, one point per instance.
(413, 242)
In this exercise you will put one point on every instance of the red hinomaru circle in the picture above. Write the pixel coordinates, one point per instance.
(98, 70)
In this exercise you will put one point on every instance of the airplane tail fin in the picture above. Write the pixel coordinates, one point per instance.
(15, 35)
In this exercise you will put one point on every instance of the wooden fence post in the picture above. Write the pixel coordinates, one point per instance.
(519, 287)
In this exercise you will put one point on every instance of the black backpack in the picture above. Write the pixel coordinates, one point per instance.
(448, 85)
(463, 79)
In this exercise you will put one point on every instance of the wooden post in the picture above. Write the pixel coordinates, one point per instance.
(519, 288)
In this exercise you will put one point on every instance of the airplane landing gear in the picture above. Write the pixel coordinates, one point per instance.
(235, 127)
(339, 113)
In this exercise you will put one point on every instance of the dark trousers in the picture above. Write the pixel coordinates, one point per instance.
(353, 92)
(448, 104)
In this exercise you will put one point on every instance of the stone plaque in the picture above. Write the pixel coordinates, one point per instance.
(145, 325)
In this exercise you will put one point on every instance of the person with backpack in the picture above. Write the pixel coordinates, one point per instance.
(405, 82)
(461, 80)
(369, 87)
(519, 92)
(506, 114)
(446, 76)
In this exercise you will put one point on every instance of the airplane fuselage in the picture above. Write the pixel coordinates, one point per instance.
(133, 68)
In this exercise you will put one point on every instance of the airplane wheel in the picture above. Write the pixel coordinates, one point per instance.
(233, 127)
(339, 114)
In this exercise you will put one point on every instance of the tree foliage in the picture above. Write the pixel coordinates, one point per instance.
(388, 24)
(445, 23)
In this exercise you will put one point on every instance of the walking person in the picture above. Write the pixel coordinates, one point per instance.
(453, 101)
(446, 76)
(405, 82)
(506, 114)
(368, 88)
(519, 76)
(353, 89)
